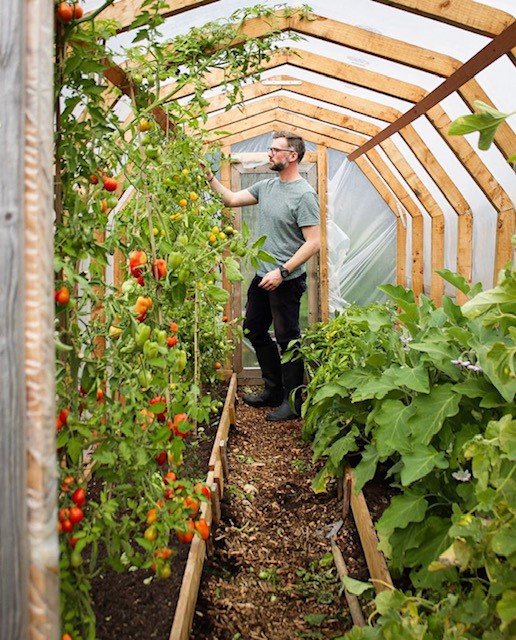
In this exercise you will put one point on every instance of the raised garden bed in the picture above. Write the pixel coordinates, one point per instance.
(128, 608)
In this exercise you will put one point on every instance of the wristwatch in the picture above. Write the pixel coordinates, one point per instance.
(284, 272)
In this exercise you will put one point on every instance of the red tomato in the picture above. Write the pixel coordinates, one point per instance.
(62, 296)
(64, 12)
(76, 515)
(94, 179)
(161, 458)
(159, 268)
(174, 327)
(110, 184)
(67, 526)
(169, 477)
(202, 488)
(77, 11)
(172, 341)
(191, 504)
(79, 497)
(186, 537)
(63, 514)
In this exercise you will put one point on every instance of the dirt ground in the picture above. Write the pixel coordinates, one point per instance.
(271, 576)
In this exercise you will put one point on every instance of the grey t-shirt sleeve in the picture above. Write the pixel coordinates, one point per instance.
(308, 210)
(254, 189)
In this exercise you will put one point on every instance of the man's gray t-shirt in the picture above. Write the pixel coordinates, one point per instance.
(285, 207)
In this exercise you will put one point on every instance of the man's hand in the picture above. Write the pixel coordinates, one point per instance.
(271, 280)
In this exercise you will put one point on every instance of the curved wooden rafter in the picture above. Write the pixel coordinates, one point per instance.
(376, 179)
(389, 86)
(319, 133)
(287, 110)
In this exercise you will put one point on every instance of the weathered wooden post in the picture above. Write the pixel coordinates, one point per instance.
(28, 539)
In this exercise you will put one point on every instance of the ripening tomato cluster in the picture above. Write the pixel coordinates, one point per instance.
(71, 515)
(68, 11)
(138, 260)
(178, 497)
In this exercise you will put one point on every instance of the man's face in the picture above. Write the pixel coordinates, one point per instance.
(280, 154)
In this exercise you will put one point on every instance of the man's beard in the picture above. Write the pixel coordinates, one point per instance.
(279, 166)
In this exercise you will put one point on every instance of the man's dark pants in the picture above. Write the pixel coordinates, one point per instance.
(281, 309)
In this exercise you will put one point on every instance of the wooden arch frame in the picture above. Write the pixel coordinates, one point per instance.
(469, 158)
(380, 176)
(432, 166)
(257, 113)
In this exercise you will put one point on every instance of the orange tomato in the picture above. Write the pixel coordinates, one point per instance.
(202, 528)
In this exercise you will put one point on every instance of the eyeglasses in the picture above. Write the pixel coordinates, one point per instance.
(278, 149)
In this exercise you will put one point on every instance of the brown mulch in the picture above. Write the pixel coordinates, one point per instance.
(271, 576)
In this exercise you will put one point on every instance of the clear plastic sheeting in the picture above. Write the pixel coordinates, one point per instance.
(361, 236)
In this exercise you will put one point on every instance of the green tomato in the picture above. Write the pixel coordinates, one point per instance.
(76, 559)
(174, 260)
(161, 337)
(144, 379)
(180, 362)
(183, 240)
(143, 332)
(150, 349)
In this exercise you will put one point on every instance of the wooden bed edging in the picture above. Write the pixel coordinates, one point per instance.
(378, 570)
(185, 607)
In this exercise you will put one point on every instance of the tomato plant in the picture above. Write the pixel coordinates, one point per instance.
(135, 360)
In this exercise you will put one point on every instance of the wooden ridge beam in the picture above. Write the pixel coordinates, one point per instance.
(500, 45)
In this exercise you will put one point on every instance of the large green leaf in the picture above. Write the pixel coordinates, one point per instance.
(420, 461)
(455, 279)
(393, 430)
(506, 608)
(502, 294)
(508, 436)
(366, 468)
(497, 361)
(440, 351)
(430, 411)
(435, 541)
(415, 378)
(403, 510)
(344, 445)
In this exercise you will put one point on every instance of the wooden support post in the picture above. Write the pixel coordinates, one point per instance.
(505, 229)
(215, 502)
(38, 452)
(353, 603)
(322, 188)
(224, 457)
(218, 476)
(346, 495)
(464, 251)
(376, 564)
(401, 252)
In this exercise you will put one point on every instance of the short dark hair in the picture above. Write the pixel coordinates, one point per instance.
(296, 142)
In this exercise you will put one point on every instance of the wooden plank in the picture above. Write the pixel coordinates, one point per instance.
(14, 542)
(224, 422)
(218, 477)
(380, 576)
(465, 252)
(190, 585)
(215, 501)
(465, 14)
(225, 179)
(353, 603)
(401, 253)
(504, 252)
(491, 52)
(39, 499)
(125, 11)
(322, 189)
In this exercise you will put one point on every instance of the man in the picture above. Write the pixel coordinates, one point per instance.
(289, 218)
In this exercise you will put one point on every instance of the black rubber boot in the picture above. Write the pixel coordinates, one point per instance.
(270, 364)
(293, 373)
